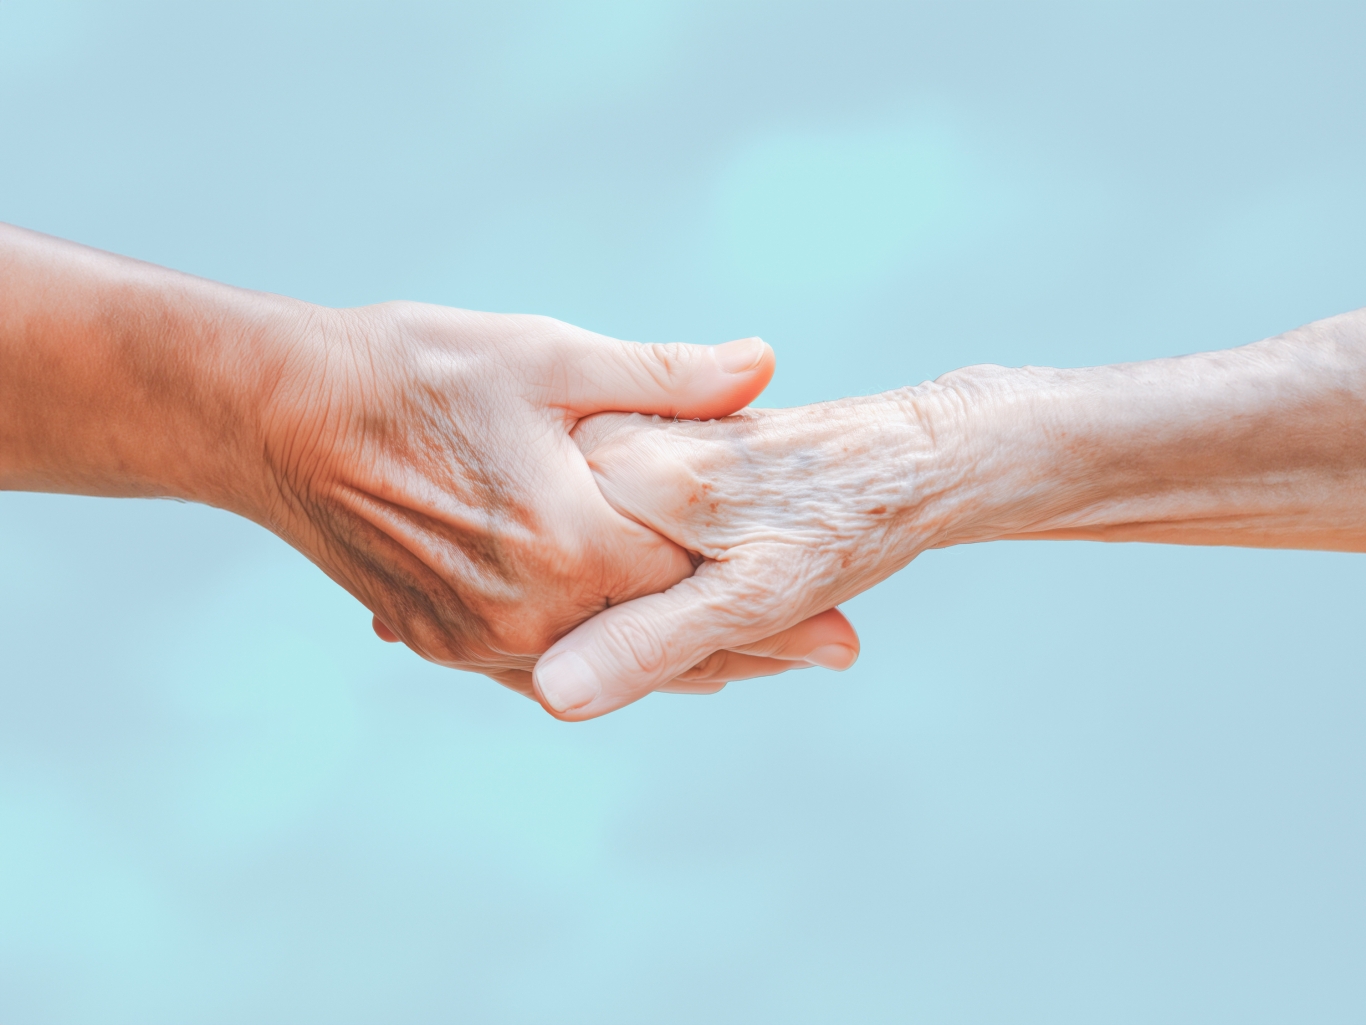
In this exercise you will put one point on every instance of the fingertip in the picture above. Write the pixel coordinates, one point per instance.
(748, 365)
(731, 376)
(835, 628)
(382, 630)
(566, 682)
(740, 356)
(838, 657)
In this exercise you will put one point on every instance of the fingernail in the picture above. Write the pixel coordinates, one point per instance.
(738, 356)
(832, 656)
(566, 681)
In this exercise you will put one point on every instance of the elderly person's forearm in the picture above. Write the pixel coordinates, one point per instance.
(1263, 446)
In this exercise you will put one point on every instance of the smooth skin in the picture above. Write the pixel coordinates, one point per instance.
(420, 455)
(797, 510)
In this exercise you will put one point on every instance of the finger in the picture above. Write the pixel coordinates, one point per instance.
(623, 653)
(382, 630)
(729, 666)
(686, 381)
(827, 640)
(690, 688)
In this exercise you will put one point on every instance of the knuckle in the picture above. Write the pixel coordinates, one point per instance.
(636, 644)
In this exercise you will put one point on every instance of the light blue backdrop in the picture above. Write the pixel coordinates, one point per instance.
(1065, 783)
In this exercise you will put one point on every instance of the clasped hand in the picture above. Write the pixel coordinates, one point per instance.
(587, 520)
(424, 458)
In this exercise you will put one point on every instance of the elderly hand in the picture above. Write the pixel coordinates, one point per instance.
(795, 510)
(791, 510)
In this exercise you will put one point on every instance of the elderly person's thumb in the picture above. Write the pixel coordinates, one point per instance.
(629, 650)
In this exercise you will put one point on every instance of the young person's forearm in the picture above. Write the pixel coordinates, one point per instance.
(124, 379)
(1261, 446)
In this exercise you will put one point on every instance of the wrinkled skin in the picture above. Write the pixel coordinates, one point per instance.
(792, 511)
(796, 510)
(422, 457)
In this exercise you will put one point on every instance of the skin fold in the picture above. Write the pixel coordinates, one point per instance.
(795, 510)
(420, 455)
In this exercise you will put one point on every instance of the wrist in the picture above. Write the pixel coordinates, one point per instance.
(236, 349)
(1007, 455)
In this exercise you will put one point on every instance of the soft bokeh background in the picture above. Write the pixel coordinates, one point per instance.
(1066, 782)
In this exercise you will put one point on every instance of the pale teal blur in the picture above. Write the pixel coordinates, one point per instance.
(1065, 782)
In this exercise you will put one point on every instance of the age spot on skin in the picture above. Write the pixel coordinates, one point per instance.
(878, 511)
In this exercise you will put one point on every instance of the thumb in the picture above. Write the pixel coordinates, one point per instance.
(626, 651)
(686, 381)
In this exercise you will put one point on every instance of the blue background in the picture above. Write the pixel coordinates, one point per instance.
(1065, 783)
